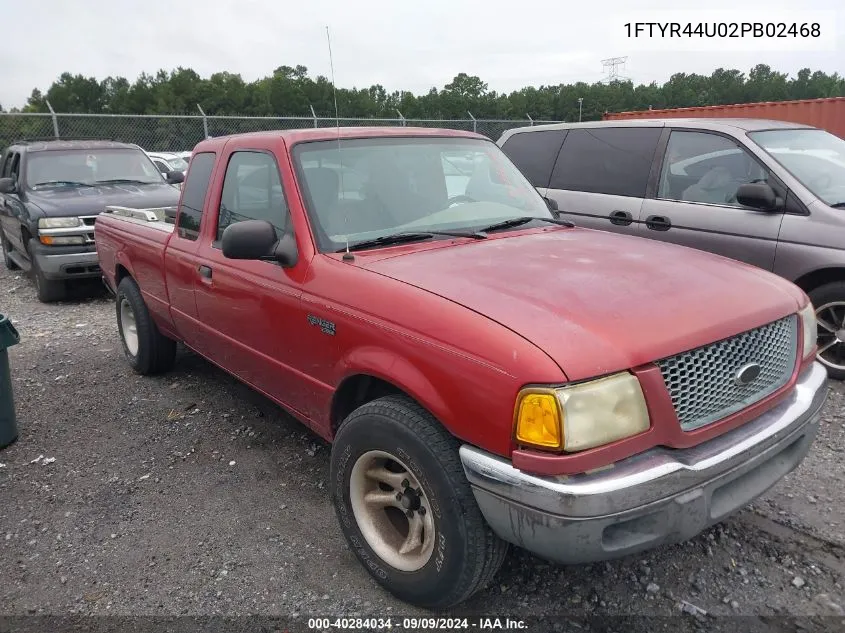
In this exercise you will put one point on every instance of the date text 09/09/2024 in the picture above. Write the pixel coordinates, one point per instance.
(418, 624)
(723, 29)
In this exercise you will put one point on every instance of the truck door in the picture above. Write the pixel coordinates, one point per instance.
(250, 314)
(181, 260)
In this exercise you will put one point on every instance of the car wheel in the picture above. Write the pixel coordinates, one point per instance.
(147, 349)
(7, 248)
(406, 508)
(48, 290)
(829, 301)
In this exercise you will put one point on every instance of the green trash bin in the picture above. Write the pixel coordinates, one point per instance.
(8, 424)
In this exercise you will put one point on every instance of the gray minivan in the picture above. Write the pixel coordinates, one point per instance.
(768, 193)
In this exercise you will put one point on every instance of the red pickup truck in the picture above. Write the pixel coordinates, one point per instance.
(487, 373)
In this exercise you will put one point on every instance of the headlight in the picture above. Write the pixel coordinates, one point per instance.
(58, 223)
(582, 416)
(809, 326)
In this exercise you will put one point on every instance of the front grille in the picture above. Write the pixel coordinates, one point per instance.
(702, 381)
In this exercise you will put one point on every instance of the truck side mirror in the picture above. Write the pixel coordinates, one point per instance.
(257, 239)
(7, 185)
(174, 177)
(551, 204)
(758, 195)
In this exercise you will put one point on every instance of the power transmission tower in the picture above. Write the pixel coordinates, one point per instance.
(612, 65)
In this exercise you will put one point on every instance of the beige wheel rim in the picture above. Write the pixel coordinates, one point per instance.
(129, 327)
(392, 511)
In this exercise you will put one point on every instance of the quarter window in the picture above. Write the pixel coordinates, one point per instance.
(193, 195)
(252, 190)
(706, 168)
(608, 160)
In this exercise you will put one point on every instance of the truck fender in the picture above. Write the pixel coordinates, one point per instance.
(393, 369)
(122, 259)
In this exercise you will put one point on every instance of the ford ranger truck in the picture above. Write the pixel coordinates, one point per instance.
(487, 373)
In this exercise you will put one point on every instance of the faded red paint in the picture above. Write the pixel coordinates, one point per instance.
(459, 325)
(827, 114)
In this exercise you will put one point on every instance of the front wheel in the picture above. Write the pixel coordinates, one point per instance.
(49, 290)
(829, 301)
(7, 248)
(406, 508)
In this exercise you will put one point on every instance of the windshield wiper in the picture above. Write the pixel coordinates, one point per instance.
(398, 238)
(72, 183)
(525, 219)
(124, 181)
(838, 205)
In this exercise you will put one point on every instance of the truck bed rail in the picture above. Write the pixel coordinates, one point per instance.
(154, 214)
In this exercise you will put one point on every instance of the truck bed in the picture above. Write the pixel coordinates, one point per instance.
(134, 241)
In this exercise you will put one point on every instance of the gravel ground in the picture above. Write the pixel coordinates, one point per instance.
(189, 494)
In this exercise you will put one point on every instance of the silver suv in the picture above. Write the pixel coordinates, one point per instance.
(768, 193)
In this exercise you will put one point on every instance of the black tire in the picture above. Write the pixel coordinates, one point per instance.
(467, 554)
(155, 352)
(48, 290)
(833, 292)
(7, 248)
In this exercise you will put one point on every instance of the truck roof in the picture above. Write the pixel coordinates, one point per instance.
(331, 133)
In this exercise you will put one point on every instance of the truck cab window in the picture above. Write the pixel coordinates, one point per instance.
(252, 190)
(193, 195)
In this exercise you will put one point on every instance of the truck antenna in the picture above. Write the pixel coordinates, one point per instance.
(347, 256)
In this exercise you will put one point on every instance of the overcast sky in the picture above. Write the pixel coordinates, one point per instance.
(401, 45)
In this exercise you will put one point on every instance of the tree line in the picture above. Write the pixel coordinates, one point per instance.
(289, 91)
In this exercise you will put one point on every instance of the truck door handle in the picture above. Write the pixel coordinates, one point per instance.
(658, 223)
(621, 218)
(205, 272)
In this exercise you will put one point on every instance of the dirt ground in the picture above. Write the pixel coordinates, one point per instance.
(189, 494)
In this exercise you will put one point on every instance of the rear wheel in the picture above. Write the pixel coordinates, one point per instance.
(406, 508)
(147, 349)
(829, 301)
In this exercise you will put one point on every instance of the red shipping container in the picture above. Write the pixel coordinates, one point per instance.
(827, 114)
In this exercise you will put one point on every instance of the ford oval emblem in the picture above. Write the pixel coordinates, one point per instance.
(747, 374)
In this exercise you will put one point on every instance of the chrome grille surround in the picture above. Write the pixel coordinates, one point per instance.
(701, 382)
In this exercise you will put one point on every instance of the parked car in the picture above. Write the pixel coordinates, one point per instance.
(167, 162)
(486, 372)
(50, 195)
(768, 193)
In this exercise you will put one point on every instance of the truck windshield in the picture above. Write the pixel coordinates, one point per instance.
(81, 167)
(364, 189)
(815, 157)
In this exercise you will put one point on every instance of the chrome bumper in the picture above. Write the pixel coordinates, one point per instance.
(660, 496)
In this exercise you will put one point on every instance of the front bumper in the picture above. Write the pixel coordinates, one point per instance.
(659, 497)
(66, 262)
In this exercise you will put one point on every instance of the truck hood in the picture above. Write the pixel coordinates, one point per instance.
(597, 302)
(63, 201)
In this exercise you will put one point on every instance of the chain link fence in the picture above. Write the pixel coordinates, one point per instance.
(171, 133)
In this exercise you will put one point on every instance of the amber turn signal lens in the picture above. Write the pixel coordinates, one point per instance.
(538, 420)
